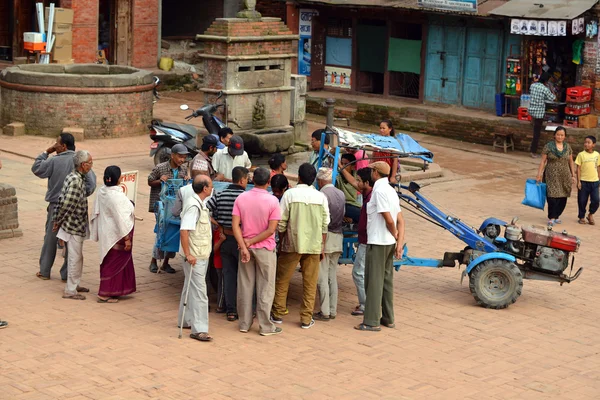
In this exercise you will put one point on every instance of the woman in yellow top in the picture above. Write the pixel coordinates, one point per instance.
(588, 167)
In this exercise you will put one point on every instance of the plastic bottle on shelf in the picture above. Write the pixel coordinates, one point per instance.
(518, 86)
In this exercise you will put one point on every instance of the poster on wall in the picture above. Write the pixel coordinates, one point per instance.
(544, 28)
(450, 5)
(514, 26)
(304, 44)
(129, 183)
(337, 77)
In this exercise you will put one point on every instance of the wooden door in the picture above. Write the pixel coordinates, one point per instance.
(445, 52)
(482, 67)
(317, 68)
(122, 32)
(5, 19)
(24, 15)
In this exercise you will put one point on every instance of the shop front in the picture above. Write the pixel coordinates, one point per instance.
(549, 42)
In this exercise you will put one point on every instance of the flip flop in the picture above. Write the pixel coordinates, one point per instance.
(74, 297)
(110, 300)
(81, 289)
(203, 337)
(232, 317)
(363, 327)
(42, 277)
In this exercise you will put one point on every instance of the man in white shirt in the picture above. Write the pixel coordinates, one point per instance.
(225, 160)
(385, 236)
(196, 245)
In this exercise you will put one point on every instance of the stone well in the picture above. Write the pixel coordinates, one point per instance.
(106, 101)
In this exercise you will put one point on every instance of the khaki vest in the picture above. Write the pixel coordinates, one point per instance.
(201, 238)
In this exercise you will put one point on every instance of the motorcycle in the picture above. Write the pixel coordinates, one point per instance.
(167, 134)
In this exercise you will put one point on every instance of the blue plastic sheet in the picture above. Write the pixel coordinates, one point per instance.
(535, 194)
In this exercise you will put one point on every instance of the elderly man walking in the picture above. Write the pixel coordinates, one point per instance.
(71, 222)
(175, 168)
(56, 170)
(385, 236)
(327, 284)
(303, 230)
(195, 247)
(258, 213)
(221, 208)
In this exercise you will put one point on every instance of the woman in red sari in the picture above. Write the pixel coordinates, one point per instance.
(386, 128)
(112, 227)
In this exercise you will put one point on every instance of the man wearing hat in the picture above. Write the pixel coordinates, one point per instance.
(175, 168)
(385, 236)
(224, 161)
(202, 163)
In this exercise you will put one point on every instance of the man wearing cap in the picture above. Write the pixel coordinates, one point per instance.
(385, 236)
(175, 168)
(224, 161)
(202, 163)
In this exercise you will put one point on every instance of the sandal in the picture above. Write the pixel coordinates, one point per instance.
(74, 296)
(110, 300)
(582, 221)
(590, 219)
(42, 277)
(81, 289)
(232, 317)
(220, 310)
(363, 327)
(203, 337)
(558, 221)
(391, 326)
(357, 311)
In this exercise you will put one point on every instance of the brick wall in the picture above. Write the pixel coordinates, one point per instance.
(145, 34)
(85, 29)
(101, 115)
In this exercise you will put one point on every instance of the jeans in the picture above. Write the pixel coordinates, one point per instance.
(48, 254)
(352, 212)
(230, 256)
(196, 310)
(589, 190)
(358, 275)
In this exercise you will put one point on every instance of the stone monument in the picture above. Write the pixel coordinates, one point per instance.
(9, 212)
(249, 59)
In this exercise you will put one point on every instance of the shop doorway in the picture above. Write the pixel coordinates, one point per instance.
(482, 67)
(372, 41)
(6, 30)
(114, 31)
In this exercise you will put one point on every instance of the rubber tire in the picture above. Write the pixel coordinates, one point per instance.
(163, 154)
(481, 273)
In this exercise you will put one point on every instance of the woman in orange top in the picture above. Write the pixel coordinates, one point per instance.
(386, 128)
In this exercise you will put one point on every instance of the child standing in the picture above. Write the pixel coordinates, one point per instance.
(588, 162)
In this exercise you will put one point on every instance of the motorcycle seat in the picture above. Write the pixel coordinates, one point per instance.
(189, 129)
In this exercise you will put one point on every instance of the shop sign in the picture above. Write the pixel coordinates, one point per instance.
(304, 44)
(532, 27)
(337, 77)
(129, 183)
(450, 5)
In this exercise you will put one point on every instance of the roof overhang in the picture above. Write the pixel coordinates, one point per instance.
(544, 9)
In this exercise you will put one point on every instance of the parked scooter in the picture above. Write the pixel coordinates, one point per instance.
(167, 134)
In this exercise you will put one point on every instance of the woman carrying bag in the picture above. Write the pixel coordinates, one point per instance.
(558, 172)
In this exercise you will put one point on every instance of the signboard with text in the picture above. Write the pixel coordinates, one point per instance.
(129, 184)
(450, 5)
(304, 44)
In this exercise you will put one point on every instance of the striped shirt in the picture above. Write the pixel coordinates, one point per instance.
(221, 204)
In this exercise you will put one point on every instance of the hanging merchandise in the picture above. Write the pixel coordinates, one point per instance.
(545, 28)
(577, 47)
(591, 29)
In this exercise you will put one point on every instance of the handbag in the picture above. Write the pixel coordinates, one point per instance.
(535, 194)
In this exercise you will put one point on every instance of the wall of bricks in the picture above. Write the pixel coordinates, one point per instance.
(9, 212)
(145, 34)
(85, 29)
(100, 115)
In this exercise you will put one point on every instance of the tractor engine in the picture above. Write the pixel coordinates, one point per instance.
(547, 250)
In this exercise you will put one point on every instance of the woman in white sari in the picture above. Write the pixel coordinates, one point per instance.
(112, 227)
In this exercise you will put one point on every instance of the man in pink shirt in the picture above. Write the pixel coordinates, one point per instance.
(255, 217)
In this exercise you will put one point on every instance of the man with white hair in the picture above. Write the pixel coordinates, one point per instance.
(327, 284)
(71, 222)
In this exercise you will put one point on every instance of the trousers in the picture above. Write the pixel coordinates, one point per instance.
(327, 284)
(196, 310)
(588, 191)
(358, 275)
(230, 256)
(258, 273)
(48, 254)
(286, 265)
(537, 131)
(556, 206)
(74, 264)
(379, 284)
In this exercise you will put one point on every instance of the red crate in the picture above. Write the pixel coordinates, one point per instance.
(523, 114)
(579, 99)
(578, 111)
(579, 91)
(571, 124)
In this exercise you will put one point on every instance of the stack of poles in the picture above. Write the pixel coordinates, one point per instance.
(45, 58)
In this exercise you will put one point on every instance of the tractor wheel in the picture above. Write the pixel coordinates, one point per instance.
(163, 154)
(496, 283)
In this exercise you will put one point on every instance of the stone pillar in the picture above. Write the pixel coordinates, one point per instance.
(9, 214)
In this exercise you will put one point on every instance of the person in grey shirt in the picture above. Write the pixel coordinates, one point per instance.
(56, 170)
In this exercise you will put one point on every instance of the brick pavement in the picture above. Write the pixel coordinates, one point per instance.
(444, 346)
